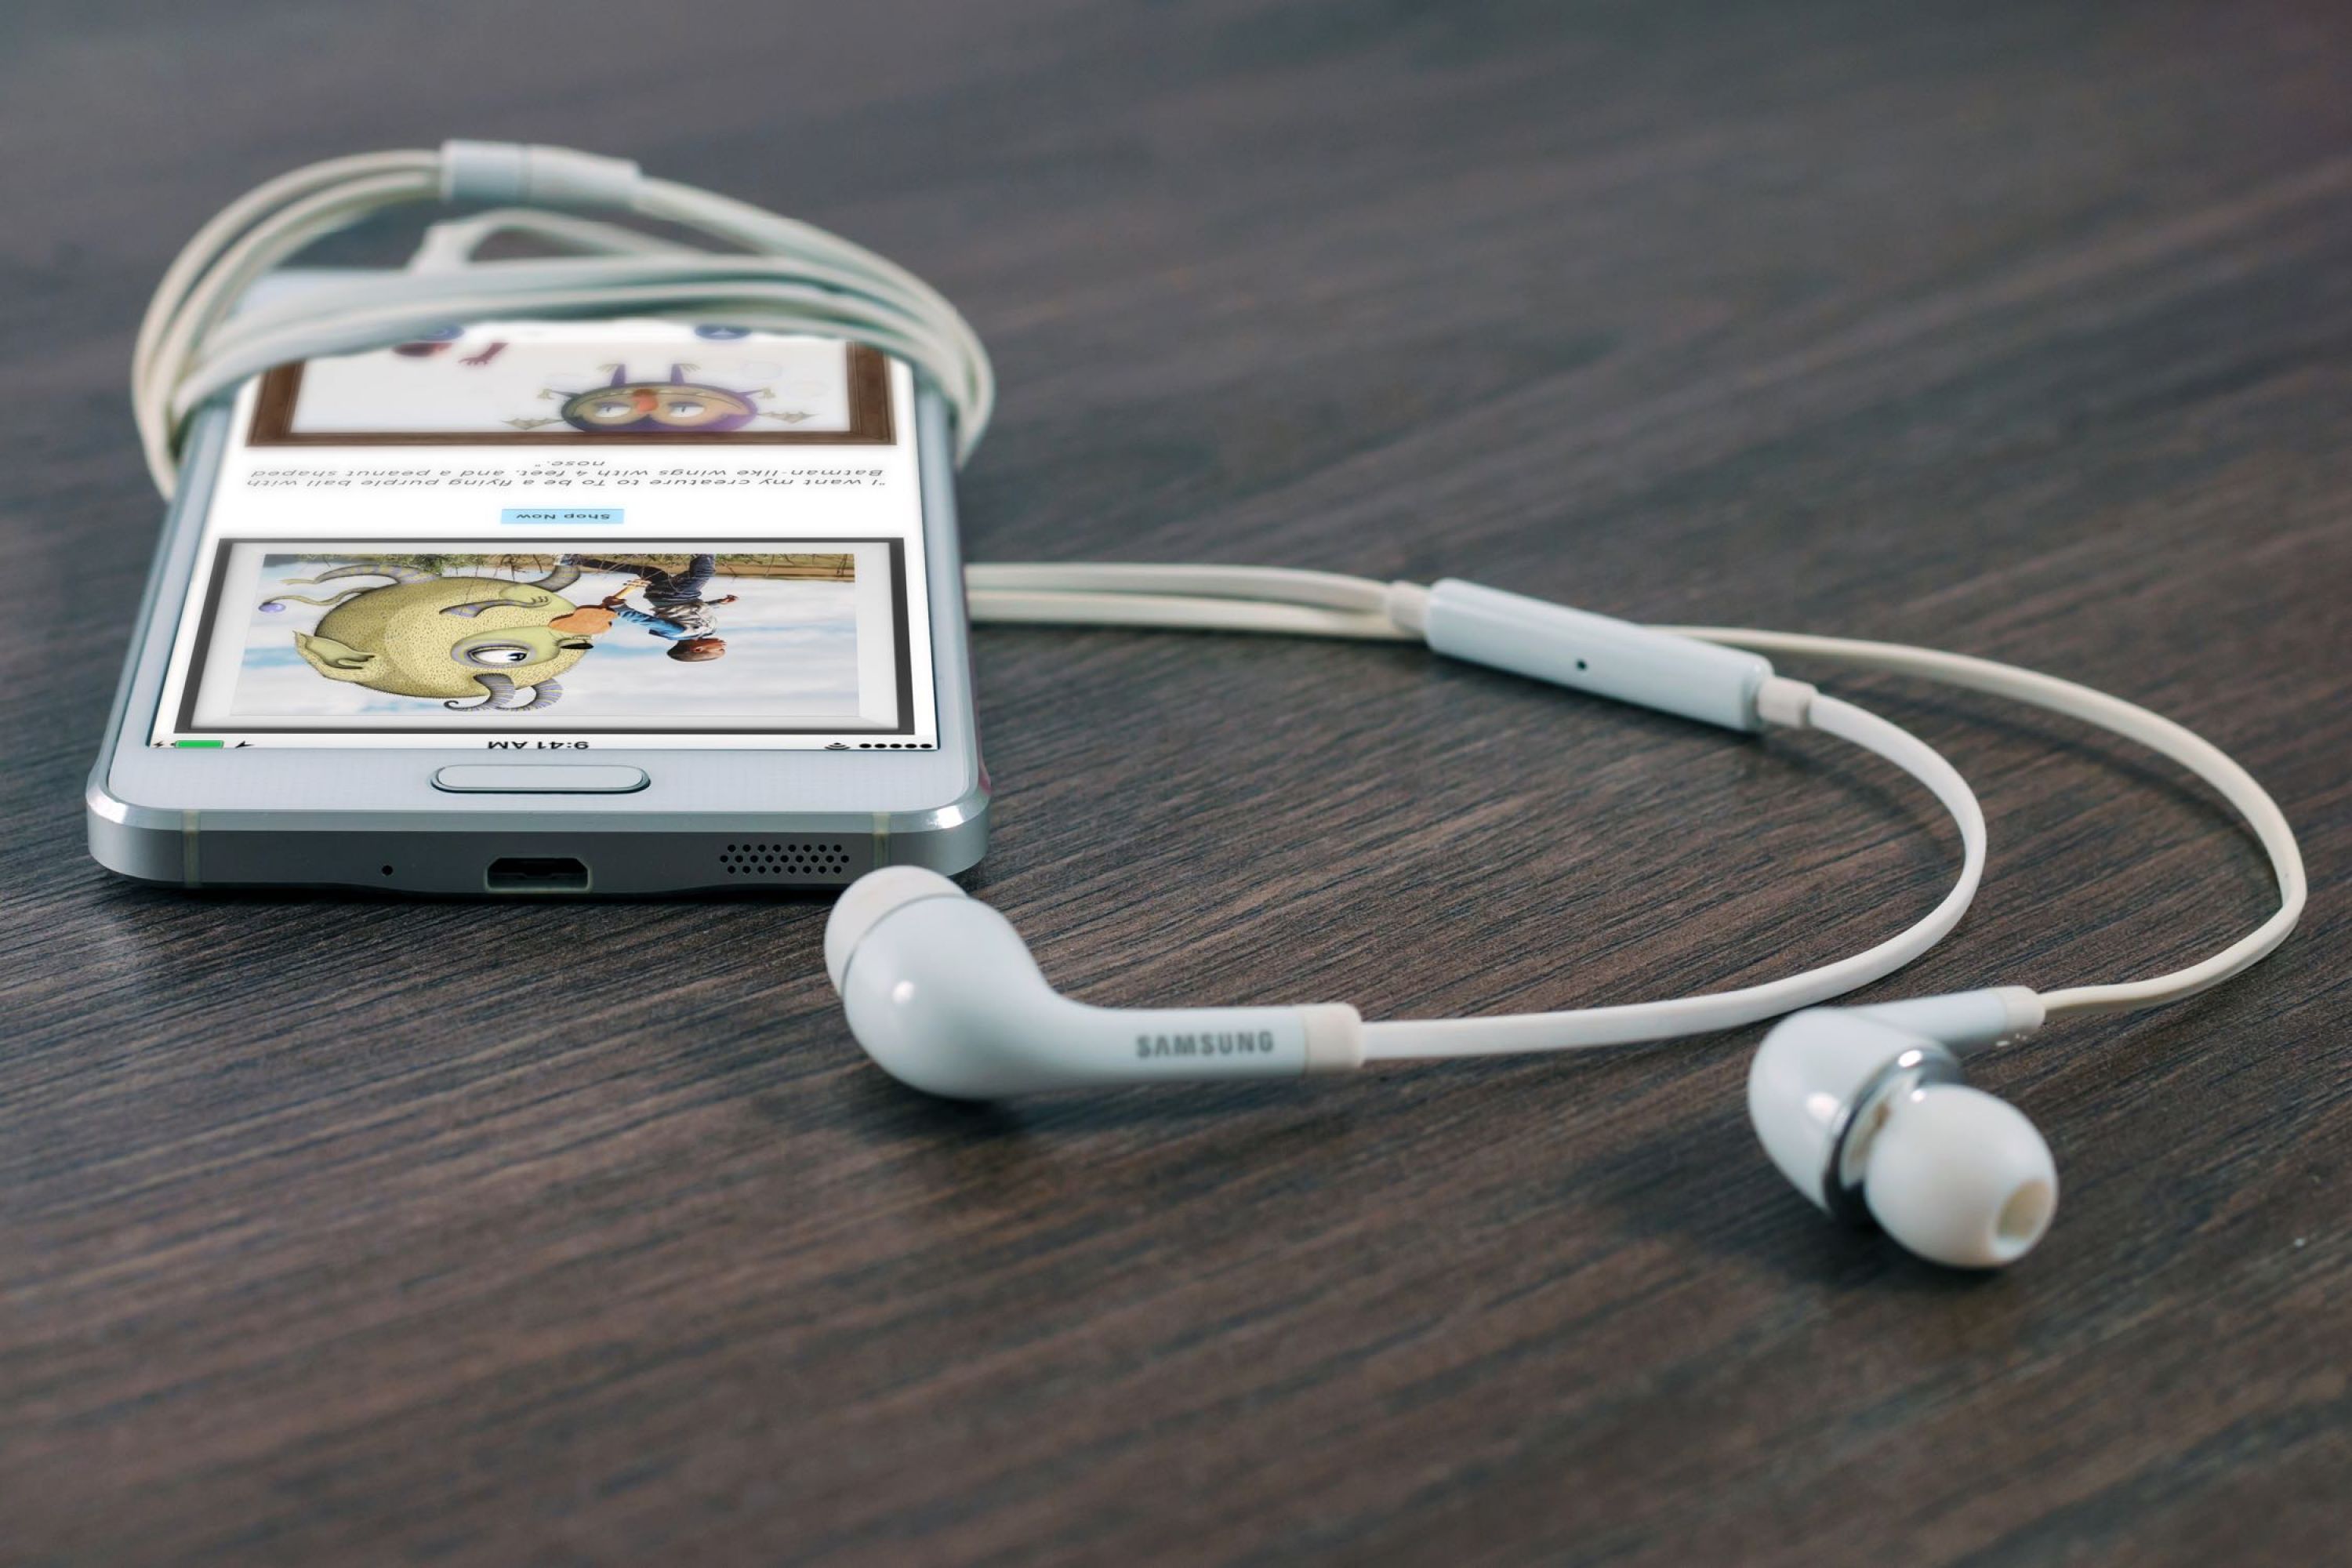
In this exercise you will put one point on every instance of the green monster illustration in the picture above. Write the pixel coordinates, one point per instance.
(451, 638)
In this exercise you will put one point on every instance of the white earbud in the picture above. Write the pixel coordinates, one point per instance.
(1864, 1109)
(942, 994)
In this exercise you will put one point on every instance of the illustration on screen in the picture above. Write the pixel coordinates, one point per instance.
(654, 639)
(522, 384)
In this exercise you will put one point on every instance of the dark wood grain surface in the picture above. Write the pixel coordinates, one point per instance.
(368, 1231)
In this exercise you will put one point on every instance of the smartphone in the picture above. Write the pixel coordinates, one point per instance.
(624, 606)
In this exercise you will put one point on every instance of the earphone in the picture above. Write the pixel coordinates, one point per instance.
(1863, 1109)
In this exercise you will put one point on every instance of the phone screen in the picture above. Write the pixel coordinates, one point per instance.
(564, 535)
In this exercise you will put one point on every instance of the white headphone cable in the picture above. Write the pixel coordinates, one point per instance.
(795, 277)
(791, 276)
(1273, 599)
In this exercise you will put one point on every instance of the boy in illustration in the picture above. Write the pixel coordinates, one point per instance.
(679, 613)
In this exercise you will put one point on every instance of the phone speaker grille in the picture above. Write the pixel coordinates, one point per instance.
(788, 859)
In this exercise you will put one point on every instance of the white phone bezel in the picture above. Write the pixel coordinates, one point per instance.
(919, 806)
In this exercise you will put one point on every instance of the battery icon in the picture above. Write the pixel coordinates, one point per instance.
(197, 744)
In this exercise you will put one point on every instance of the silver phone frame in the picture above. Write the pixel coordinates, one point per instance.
(709, 821)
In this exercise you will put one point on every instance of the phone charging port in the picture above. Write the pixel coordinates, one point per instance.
(536, 874)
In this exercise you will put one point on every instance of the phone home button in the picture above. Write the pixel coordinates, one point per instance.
(539, 778)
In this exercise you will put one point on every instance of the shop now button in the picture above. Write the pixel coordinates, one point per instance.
(559, 516)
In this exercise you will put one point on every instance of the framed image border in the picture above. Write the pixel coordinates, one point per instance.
(902, 639)
(870, 421)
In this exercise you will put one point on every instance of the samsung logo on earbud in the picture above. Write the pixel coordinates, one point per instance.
(1225, 1045)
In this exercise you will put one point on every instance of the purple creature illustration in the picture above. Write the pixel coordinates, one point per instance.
(628, 405)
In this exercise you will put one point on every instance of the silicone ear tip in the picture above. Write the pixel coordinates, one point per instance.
(869, 900)
(1961, 1178)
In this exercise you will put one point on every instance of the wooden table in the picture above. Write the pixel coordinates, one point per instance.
(340, 1231)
